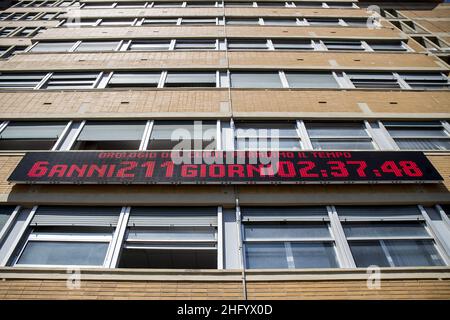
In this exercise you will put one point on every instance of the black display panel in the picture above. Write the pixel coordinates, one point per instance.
(218, 167)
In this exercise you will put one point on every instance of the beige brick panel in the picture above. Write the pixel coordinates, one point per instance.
(117, 60)
(121, 103)
(390, 289)
(214, 31)
(442, 164)
(34, 23)
(148, 290)
(238, 12)
(218, 60)
(318, 289)
(279, 101)
(440, 12)
(7, 165)
(15, 42)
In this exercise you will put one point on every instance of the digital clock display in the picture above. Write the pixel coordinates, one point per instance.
(219, 167)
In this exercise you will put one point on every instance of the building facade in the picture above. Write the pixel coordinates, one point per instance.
(356, 104)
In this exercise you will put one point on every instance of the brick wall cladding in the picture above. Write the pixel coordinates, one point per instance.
(338, 289)
(220, 60)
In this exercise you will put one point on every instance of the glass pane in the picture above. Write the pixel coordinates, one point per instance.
(343, 45)
(412, 253)
(323, 21)
(160, 21)
(267, 144)
(379, 212)
(266, 256)
(423, 144)
(266, 129)
(280, 22)
(342, 144)
(417, 132)
(5, 213)
(52, 46)
(112, 131)
(195, 44)
(247, 44)
(97, 46)
(336, 129)
(198, 21)
(314, 255)
(287, 231)
(33, 130)
(293, 44)
(232, 21)
(190, 79)
(255, 80)
(64, 253)
(311, 80)
(134, 79)
(179, 234)
(149, 45)
(367, 253)
(384, 229)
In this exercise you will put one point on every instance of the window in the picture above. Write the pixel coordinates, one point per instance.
(5, 214)
(339, 136)
(86, 46)
(6, 52)
(167, 4)
(280, 22)
(149, 45)
(373, 80)
(311, 80)
(387, 45)
(247, 44)
(310, 4)
(190, 79)
(285, 44)
(85, 80)
(185, 135)
(266, 136)
(255, 80)
(425, 81)
(52, 46)
(97, 5)
(344, 5)
(119, 22)
(271, 4)
(134, 79)
(15, 81)
(159, 21)
(33, 135)
(238, 4)
(199, 21)
(69, 236)
(78, 24)
(323, 21)
(48, 16)
(388, 236)
(110, 135)
(288, 237)
(5, 32)
(130, 5)
(343, 45)
(242, 21)
(171, 237)
(419, 135)
(356, 23)
(200, 4)
(195, 45)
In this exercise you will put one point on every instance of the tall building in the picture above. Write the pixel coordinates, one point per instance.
(348, 199)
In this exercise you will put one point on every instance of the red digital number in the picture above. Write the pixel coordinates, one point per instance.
(150, 165)
(340, 169)
(410, 168)
(362, 165)
(305, 171)
(391, 167)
